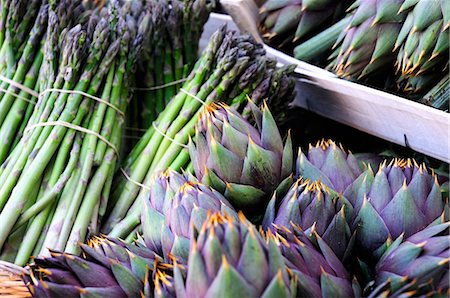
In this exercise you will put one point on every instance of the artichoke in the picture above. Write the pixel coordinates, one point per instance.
(110, 268)
(368, 41)
(329, 163)
(170, 213)
(423, 257)
(423, 44)
(229, 258)
(292, 20)
(244, 163)
(401, 198)
(318, 270)
(316, 209)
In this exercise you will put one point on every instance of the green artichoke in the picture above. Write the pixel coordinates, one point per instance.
(109, 268)
(229, 258)
(401, 198)
(423, 44)
(316, 209)
(318, 270)
(329, 163)
(423, 257)
(170, 213)
(368, 41)
(291, 20)
(244, 163)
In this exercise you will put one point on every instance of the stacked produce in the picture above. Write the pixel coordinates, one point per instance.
(398, 45)
(330, 163)
(231, 69)
(56, 183)
(383, 234)
(215, 199)
(169, 54)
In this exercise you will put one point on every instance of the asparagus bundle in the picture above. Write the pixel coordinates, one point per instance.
(55, 184)
(22, 29)
(232, 68)
(170, 51)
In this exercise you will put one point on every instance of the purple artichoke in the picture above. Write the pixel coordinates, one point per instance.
(244, 163)
(423, 257)
(316, 209)
(401, 198)
(317, 268)
(229, 258)
(108, 268)
(330, 164)
(172, 208)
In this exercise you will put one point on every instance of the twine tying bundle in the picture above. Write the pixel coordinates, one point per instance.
(33, 93)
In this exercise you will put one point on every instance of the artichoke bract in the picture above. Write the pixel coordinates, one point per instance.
(401, 198)
(423, 257)
(229, 258)
(243, 162)
(318, 270)
(167, 219)
(110, 269)
(316, 209)
(329, 163)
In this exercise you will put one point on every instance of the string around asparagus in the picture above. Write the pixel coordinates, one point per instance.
(169, 138)
(120, 112)
(160, 86)
(19, 86)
